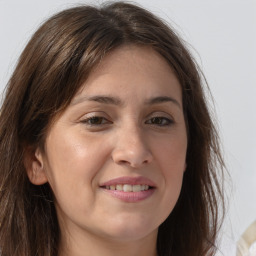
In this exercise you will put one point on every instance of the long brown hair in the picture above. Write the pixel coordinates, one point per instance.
(51, 69)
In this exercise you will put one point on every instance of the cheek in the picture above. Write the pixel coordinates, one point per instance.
(71, 167)
(73, 161)
(172, 154)
(172, 161)
(173, 167)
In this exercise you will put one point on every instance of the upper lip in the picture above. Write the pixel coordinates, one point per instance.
(140, 180)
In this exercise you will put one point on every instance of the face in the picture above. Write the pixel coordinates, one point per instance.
(115, 158)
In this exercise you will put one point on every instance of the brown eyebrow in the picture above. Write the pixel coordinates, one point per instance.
(116, 101)
(100, 99)
(162, 99)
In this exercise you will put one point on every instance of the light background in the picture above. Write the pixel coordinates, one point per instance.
(222, 37)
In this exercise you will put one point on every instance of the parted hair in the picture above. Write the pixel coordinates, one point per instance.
(55, 63)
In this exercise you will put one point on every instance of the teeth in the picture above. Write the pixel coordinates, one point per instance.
(119, 187)
(137, 188)
(128, 187)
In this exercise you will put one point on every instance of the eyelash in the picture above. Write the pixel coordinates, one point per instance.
(164, 121)
(90, 119)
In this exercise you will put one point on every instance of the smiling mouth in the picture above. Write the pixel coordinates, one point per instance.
(128, 187)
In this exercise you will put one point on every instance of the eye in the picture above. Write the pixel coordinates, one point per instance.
(160, 121)
(95, 121)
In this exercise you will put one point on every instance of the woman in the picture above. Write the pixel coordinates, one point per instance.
(107, 144)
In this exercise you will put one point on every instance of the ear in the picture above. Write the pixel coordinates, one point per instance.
(34, 165)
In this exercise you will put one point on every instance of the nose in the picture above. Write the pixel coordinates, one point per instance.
(131, 149)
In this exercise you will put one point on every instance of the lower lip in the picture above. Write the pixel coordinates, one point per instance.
(130, 197)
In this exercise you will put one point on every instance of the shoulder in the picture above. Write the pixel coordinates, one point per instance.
(246, 246)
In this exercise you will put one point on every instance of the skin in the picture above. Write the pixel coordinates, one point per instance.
(131, 136)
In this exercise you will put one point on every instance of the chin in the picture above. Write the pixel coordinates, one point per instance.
(131, 228)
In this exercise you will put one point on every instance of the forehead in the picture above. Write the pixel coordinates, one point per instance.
(132, 69)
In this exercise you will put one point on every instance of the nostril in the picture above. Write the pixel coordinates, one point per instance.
(133, 164)
(123, 162)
